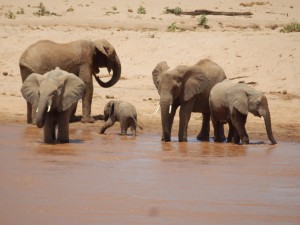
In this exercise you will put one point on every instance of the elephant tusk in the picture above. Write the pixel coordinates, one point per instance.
(37, 110)
(170, 109)
(49, 107)
(157, 109)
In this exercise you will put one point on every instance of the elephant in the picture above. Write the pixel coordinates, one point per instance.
(189, 88)
(123, 112)
(230, 103)
(54, 95)
(82, 58)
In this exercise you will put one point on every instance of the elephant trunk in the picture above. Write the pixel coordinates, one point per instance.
(40, 112)
(116, 67)
(267, 119)
(165, 121)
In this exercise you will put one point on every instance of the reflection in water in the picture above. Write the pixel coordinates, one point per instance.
(202, 149)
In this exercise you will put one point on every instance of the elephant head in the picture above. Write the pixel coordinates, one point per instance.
(180, 84)
(109, 110)
(246, 99)
(106, 56)
(56, 90)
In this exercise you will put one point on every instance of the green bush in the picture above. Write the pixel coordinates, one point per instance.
(176, 11)
(141, 10)
(42, 11)
(202, 21)
(173, 28)
(292, 27)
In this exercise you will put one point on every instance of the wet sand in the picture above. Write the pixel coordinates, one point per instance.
(110, 179)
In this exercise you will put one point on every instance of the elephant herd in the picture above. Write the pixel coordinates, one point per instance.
(52, 92)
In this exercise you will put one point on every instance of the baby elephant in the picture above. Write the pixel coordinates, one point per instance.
(230, 103)
(122, 112)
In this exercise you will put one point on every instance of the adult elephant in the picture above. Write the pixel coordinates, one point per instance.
(230, 103)
(189, 88)
(54, 96)
(82, 58)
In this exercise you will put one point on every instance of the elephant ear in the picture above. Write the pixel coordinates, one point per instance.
(30, 88)
(158, 71)
(194, 82)
(73, 90)
(237, 98)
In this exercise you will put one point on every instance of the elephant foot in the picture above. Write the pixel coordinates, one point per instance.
(203, 138)
(74, 119)
(87, 120)
(183, 140)
(165, 140)
(98, 117)
(102, 130)
(219, 140)
(63, 141)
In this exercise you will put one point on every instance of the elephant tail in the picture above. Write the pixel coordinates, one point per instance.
(136, 123)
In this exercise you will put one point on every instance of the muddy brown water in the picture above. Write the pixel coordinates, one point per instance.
(109, 179)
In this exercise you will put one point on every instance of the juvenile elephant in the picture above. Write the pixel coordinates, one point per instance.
(189, 88)
(82, 58)
(122, 112)
(230, 103)
(54, 95)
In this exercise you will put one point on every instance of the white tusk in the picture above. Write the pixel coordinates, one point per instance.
(157, 109)
(170, 109)
(49, 107)
(37, 110)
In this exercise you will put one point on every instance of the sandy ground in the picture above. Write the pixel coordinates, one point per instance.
(247, 48)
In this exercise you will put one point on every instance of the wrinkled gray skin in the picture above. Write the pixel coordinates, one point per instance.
(230, 103)
(82, 58)
(189, 88)
(123, 112)
(54, 95)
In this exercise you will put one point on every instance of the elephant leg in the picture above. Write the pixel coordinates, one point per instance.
(204, 133)
(217, 131)
(63, 126)
(184, 118)
(239, 121)
(230, 132)
(29, 113)
(171, 120)
(49, 130)
(133, 128)
(106, 125)
(86, 76)
(73, 117)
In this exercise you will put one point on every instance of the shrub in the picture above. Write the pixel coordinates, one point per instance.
(202, 21)
(176, 11)
(42, 11)
(10, 15)
(173, 28)
(292, 27)
(141, 10)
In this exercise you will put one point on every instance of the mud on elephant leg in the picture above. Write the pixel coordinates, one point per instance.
(204, 133)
